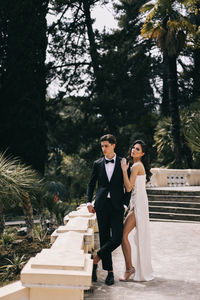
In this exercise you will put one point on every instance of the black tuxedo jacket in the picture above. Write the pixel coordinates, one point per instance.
(115, 186)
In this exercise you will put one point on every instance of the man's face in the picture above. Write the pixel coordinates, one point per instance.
(107, 148)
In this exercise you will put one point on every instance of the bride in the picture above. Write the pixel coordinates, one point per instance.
(136, 234)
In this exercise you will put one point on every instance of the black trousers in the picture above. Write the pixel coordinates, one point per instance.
(110, 223)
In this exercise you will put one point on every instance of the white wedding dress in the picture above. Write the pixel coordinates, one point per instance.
(139, 237)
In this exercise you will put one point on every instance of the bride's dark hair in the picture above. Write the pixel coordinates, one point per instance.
(144, 159)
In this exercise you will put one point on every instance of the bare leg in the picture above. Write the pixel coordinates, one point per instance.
(96, 260)
(129, 224)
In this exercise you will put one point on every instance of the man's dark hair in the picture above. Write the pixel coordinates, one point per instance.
(109, 138)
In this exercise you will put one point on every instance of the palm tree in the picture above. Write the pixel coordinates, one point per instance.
(192, 134)
(164, 142)
(170, 29)
(2, 221)
(194, 7)
(16, 182)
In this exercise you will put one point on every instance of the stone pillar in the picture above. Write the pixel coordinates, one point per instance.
(61, 272)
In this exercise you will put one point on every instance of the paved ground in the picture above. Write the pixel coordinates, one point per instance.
(176, 264)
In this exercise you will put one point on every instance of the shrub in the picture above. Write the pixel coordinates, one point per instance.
(6, 239)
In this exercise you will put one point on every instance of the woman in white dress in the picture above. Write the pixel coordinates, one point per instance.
(136, 235)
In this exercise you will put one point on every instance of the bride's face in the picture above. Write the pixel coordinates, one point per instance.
(136, 151)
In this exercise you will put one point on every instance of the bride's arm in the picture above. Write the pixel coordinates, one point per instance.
(129, 182)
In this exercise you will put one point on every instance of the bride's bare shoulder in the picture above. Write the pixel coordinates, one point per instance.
(135, 167)
(138, 168)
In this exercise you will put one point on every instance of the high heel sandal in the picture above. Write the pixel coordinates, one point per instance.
(130, 272)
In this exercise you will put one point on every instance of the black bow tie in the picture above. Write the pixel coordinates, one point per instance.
(110, 161)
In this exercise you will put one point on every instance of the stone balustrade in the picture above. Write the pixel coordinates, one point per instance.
(82, 211)
(78, 224)
(63, 271)
(174, 177)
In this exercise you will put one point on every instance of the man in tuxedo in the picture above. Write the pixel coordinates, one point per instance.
(109, 204)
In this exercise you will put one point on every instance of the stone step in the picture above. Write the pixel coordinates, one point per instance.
(175, 204)
(192, 191)
(178, 210)
(174, 198)
(174, 216)
(169, 220)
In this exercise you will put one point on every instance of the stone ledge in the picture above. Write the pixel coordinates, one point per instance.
(60, 261)
(14, 291)
(79, 224)
(57, 277)
(71, 241)
(83, 212)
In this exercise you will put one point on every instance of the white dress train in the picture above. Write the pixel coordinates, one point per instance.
(139, 237)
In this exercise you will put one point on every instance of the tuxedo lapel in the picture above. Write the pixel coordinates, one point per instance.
(104, 169)
(117, 167)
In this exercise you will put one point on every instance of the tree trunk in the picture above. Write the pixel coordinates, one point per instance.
(2, 220)
(196, 57)
(174, 109)
(43, 218)
(196, 74)
(188, 155)
(165, 92)
(28, 213)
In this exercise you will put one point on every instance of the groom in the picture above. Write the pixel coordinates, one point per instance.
(109, 204)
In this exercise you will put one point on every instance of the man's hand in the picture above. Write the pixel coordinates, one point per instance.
(125, 208)
(91, 209)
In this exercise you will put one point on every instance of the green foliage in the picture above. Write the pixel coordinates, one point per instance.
(114, 72)
(146, 8)
(163, 143)
(6, 239)
(192, 5)
(118, 95)
(17, 183)
(39, 233)
(69, 46)
(60, 210)
(77, 171)
(192, 133)
(14, 267)
(16, 179)
(169, 23)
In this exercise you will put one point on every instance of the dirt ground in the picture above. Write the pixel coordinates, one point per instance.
(14, 252)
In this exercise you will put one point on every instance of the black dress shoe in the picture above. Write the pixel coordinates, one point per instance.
(110, 279)
(94, 273)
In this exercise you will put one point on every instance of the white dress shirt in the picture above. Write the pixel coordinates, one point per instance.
(110, 169)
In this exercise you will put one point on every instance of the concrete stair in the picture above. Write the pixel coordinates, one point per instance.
(171, 204)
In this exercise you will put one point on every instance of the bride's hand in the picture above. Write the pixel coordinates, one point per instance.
(124, 165)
